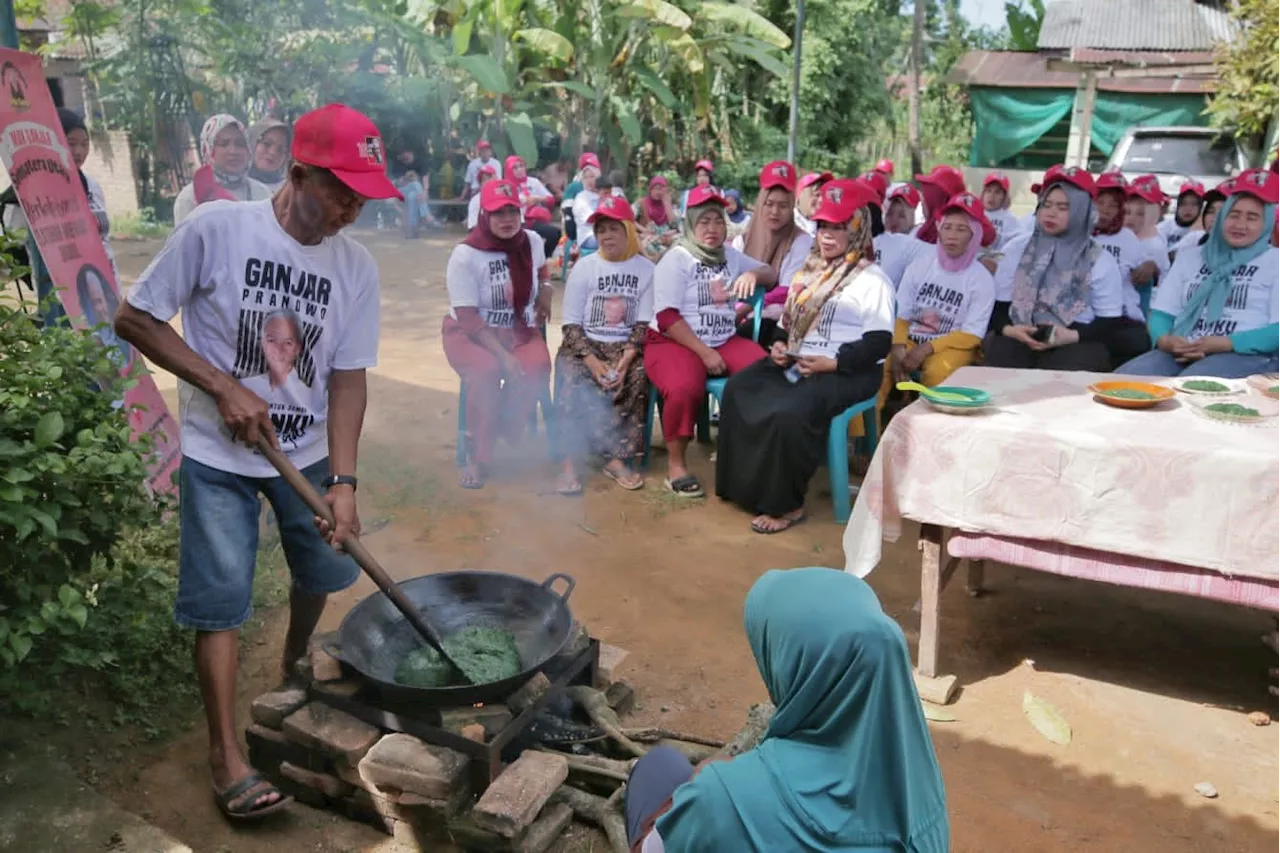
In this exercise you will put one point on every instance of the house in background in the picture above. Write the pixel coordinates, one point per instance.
(1101, 67)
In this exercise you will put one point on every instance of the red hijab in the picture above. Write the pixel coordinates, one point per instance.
(206, 187)
(934, 198)
(654, 209)
(519, 260)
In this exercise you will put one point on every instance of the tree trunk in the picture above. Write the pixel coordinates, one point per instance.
(913, 95)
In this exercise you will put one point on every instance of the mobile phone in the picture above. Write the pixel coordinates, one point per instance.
(793, 374)
(1042, 334)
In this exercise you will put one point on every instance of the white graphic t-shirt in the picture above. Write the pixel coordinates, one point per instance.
(1105, 290)
(896, 252)
(275, 314)
(794, 260)
(702, 294)
(1254, 300)
(936, 302)
(482, 280)
(607, 299)
(1155, 249)
(1129, 254)
(864, 305)
(1191, 238)
(1171, 231)
(473, 212)
(1006, 224)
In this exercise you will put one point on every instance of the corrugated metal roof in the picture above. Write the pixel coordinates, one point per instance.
(1014, 70)
(1132, 25)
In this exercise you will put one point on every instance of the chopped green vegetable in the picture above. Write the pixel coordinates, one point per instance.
(1206, 385)
(485, 655)
(1129, 394)
(1235, 410)
(1274, 390)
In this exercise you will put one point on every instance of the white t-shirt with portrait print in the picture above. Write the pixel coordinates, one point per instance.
(1129, 254)
(1254, 300)
(791, 264)
(608, 299)
(482, 280)
(702, 294)
(1191, 238)
(935, 301)
(228, 268)
(864, 305)
(896, 252)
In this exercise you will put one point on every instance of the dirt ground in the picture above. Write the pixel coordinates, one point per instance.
(1156, 687)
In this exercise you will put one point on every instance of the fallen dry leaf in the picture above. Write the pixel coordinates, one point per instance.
(936, 714)
(1046, 719)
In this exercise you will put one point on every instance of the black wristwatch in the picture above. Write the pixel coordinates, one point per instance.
(340, 480)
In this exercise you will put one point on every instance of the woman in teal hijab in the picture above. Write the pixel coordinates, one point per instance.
(846, 764)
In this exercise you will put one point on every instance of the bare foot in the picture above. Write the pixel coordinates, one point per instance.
(472, 476)
(769, 524)
(567, 483)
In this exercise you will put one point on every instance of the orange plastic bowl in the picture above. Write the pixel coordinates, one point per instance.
(1105, 392)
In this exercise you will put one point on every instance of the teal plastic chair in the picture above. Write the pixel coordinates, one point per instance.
(838, 452)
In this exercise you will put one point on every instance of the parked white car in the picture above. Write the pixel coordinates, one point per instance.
(1178, 154)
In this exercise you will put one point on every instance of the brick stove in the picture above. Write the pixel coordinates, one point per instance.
(431, 777)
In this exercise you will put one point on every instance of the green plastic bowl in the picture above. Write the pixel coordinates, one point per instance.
(976, 398)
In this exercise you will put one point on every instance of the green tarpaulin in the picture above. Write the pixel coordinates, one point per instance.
(1009, 122)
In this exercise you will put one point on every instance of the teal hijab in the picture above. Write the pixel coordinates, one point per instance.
(847, 763)
(1221, 259)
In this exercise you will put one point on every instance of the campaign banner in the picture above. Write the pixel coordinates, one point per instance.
(38, 159)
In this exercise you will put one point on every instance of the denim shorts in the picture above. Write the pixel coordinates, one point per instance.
(218, 547)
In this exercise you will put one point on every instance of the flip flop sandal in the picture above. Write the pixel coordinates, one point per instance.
(246, 811)
(769, 531)
(617, 478)
(569, 491)
(685, 487)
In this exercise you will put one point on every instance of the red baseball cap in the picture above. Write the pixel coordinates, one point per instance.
(999, 178)
(498, 194)
(1074, 175)
(1194, 187)
(613, 207)
(705, 165)
(877, 183)
(346, 142)
(705, 194)
(1147, 188)
(909, 194)
(658, 181)
(1262, 184)
(841, 199)
(1221, 191)
(779, 173)
(885, 165)
(588, 159)
(488, 169)
(946, 178)
(1113, 180)
(967, 202)
(813, 178)
(484, 143)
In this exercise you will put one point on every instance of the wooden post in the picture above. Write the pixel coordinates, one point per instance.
(913, 95)
(932, 687)
(977, 569)
(1082, 120)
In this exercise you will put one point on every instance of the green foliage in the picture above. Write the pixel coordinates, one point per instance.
(85, 559)
(139, 226)
(1024, 18)
(1249, 70)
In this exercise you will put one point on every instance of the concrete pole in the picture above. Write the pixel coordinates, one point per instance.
(796, 44)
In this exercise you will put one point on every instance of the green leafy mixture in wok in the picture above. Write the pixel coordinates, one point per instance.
(485, 655)
(1233, 409)
(1205, 385)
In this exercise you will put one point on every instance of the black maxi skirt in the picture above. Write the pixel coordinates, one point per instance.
(773, 433)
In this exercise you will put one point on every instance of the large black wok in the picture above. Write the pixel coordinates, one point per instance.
(374, 637)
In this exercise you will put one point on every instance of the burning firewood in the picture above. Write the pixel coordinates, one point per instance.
(650, 734)
(597, 707)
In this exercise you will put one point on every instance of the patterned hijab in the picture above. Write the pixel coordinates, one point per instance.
(820, 279)
(1053, 282)
(208, 135)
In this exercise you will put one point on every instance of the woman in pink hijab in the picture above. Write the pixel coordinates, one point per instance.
(945, 298)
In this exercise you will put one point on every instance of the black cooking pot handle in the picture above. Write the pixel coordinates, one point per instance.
(546, 584)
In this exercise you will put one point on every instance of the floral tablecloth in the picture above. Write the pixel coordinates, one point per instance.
(1048, 463)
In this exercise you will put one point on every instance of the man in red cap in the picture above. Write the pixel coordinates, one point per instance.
(484, 157)
(276, 299)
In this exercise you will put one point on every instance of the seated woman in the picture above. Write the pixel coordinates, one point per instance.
(695, 286)
(601, 388)
(1218, 311)
(846, 764)
(656, 218)
(1058, 296)
(945, 301)
(491, 334)
(1213, 201)
(584, 204)
(535, 200)
(900, 210)
(1129, 338)
(827, 354)
(773, 238)
(1142, 217)
(995, 201)
(704, 175)
(1187, 210)
(807, 191)
(739, 217)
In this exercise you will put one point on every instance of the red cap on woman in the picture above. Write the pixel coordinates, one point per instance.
(613, 207)
(841, 199)
(968, 203)
(779, 173)
(1147, 188)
